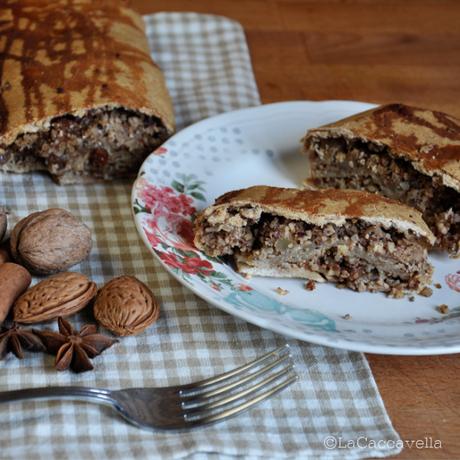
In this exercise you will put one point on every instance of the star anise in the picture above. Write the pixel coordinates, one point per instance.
(74, 349)
(15, 340)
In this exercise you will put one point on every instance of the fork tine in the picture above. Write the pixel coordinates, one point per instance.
(234, 372)
(205, 395)
(242, 407)
(207, 404)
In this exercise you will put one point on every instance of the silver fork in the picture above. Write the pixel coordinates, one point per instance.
(184, 406)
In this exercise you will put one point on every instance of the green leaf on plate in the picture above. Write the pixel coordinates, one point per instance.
(198, 196)
(177, 186)
(138, 208)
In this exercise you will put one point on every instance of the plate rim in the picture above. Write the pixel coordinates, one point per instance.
(309, 337)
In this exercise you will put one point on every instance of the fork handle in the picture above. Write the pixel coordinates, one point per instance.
(95, 395)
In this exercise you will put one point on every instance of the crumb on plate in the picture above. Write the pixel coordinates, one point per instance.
(437, 285)
(310, 285)
(281, 291)
(426, 292)
(443, 309)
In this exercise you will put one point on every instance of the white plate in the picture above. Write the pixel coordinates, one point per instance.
(260, 145)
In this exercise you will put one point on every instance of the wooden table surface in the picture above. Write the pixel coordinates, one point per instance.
(375, 51)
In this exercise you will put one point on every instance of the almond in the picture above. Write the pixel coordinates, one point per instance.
(14, 280)
(50, 241)
(60, 295)
(126, 306)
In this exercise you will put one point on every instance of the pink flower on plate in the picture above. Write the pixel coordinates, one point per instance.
(160, 151)
(185, 230)
(163, 202)
(195, 265)
(153, 238)
(190, 265)
(422, 320)
(216, 287)
(245, 287)
(186, 203)
(153, 232)
(170, 259)
(453, 281)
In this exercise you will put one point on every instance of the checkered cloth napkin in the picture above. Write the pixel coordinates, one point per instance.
(208, 69)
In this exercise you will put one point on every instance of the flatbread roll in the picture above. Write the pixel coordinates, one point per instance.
(401, 152)
(80, 96)
(356, 239)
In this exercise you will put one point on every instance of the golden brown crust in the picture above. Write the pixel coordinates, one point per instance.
(320, 207)
(69, 56)
(430, 140)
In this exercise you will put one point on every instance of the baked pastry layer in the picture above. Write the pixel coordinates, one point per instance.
(401, 152)
(355, 239)
(80, 96)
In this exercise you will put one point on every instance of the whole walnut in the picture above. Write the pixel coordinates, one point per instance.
(50, 241)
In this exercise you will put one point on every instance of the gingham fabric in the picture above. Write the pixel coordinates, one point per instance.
(208, 70)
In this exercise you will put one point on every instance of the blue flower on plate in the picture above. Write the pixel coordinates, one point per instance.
(255, 301)
(312, 318)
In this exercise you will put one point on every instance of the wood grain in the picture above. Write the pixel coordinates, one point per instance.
(377, 51)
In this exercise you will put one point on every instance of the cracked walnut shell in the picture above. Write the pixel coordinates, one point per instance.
(126, 306)
(50, 241)
(60, 295)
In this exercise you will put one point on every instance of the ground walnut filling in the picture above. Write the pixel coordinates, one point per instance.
(356, 255)
(230, 229)
(105, 143)
(354, 164)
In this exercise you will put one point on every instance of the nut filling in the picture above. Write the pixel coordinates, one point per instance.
(358, 255)
(106, 143)
(355, 164)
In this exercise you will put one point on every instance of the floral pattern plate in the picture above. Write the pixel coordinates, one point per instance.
(260, 145)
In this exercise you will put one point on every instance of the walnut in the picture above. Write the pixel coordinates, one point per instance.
(50, 241)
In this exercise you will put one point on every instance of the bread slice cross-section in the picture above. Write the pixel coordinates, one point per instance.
(355, 239)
